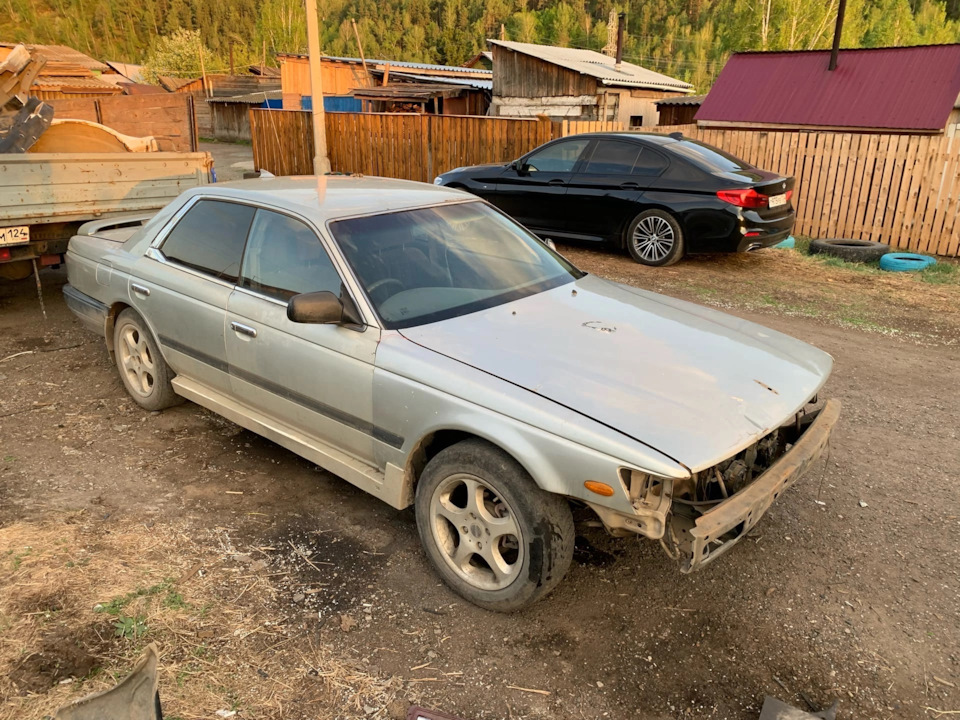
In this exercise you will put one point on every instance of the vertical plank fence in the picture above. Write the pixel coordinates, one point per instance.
(899, 189)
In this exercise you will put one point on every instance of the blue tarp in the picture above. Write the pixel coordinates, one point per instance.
(334, 103)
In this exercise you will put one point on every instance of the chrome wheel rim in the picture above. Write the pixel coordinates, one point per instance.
(137, 361)
(653, 238)
(476, 532)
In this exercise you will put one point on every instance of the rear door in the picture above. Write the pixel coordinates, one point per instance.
(181, 286)
(606, 191)
(318, 379)
(533, 191)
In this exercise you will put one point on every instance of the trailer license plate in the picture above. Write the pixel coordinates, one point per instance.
(777, 200)
(14, 235)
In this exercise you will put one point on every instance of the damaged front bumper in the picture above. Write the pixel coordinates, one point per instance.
(697, 538)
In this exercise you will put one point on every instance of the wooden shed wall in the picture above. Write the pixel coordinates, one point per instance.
(519, 75)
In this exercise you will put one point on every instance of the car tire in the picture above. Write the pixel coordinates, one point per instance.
(850, 250)
(143, 371)
(510, 524)
(654, 238)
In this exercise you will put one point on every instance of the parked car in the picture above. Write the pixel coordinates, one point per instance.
(659, 196)
(426, 348)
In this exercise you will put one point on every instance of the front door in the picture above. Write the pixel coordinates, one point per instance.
(181, 288)
(318, 379)
(533, 190)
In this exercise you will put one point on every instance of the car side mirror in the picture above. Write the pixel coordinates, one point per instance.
(520, 167)
(318, 308)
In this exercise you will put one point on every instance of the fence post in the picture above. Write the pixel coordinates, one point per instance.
(426, 132)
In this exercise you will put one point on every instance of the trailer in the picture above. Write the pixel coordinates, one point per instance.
(46, 197)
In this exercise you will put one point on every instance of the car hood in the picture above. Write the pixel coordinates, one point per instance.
(693, 383)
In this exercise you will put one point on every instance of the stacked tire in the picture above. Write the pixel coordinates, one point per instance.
(864, 251)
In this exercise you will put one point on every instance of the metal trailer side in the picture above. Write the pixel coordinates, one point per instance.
(52, 194)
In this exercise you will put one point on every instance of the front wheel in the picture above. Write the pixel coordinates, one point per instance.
(655, 238)
(491, 534)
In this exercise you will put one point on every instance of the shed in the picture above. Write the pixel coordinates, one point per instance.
(230, 116)
(341, 76)
(678, 110)
(895, 89)
(220, 85)
(575, 84)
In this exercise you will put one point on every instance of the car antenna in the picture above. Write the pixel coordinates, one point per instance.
(677, 135)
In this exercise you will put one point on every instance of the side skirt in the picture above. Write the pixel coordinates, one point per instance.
(391, 486)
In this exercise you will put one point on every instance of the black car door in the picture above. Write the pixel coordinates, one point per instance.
(606, 192)
(532, 190)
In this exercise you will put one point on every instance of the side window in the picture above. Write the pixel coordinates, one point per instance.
(613, 158)
(558, 158)
(210, 238)
(285, 258)
(650, 163)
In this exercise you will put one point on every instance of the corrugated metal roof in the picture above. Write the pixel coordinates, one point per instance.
(683, 100)
(906, 88)
(134, 73)
(62, 54)
(598, 65)
(71, 82)
(380, 64)
(254, 98)
(466, 82)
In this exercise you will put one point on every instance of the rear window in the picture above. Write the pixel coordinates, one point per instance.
(709, 158)
(210, 238)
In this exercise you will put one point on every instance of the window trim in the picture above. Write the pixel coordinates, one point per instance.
(621, 141)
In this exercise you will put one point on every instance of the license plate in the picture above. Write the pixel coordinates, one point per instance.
(15, 235)
(777, 200)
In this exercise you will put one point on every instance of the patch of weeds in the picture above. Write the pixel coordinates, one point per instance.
(18, 557)
(802, 244)
(116, 606)
(9, 458)
(130, 628)
(943, 273)
(175, 601)
(705, 292)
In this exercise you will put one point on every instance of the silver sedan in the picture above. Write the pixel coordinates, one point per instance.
(423, 346)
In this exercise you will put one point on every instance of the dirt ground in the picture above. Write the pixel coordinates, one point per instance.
(296, 595)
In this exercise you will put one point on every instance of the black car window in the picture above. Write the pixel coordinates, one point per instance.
(709, 158)
(285, 258)
(650, 163)
(210, 238)
(557, 158)
(613, 158)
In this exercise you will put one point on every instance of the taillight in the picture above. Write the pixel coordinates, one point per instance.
(746, 198)
(4, 254)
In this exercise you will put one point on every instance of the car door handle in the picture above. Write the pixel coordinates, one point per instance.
(243, 329)
(140, 289)
(556, 181)
(629, 186)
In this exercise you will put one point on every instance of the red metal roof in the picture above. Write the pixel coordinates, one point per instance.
(903, 88)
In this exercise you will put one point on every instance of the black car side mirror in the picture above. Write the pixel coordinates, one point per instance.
(520, 167)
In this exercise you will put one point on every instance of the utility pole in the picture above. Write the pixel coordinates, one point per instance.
(321, 164)
(838, 31)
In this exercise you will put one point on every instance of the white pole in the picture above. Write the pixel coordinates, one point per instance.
(321, 164)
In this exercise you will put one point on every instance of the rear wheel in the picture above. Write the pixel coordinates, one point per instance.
(491, 534)
(144, 372)
(655, 238)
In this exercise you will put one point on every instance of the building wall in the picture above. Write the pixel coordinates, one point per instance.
(953, 123)
(677, 114)
(338, 78)
(519, 75)
(229, 121)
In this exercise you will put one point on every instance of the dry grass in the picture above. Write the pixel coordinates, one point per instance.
(80, 599)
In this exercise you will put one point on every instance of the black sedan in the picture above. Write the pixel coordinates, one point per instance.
(659, 196)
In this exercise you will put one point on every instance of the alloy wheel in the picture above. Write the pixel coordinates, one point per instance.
(653, 238)
(137, 361)
(477, 532)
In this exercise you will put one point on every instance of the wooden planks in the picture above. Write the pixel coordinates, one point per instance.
(900, 189)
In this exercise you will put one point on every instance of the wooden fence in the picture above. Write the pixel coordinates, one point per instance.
(899, 189)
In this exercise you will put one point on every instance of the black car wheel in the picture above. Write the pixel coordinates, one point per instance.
(654, 238)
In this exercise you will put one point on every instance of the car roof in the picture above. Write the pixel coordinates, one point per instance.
(655, 138)
(327, 197)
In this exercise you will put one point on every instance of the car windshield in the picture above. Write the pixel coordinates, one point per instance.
(429, 264)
